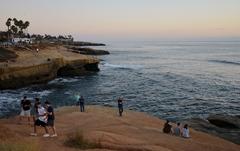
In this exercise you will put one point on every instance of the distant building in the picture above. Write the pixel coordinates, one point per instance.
(21, 40)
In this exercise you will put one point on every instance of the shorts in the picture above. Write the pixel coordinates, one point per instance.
(25, 113)
(40, 123)
(50, 122)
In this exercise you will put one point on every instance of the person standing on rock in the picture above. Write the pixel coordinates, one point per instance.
(41, 121)
(25, 109)
(50, 118)
(37, 101)
(82, 103)
(120, 106)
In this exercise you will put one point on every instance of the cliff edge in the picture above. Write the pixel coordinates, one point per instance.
(107, 132)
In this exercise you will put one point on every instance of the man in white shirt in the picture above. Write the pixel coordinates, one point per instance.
(41, 121)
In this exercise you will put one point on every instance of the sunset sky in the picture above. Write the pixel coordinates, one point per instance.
(127, 19)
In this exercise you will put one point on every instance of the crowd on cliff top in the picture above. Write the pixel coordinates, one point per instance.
(43, 116)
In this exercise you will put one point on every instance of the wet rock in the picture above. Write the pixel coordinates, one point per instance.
(223, 126)
(225, 121)
(81, 43)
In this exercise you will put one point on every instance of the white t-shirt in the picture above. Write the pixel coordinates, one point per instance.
(185, 133)
(41, 112)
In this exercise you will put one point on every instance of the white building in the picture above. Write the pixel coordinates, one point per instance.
(21, 40)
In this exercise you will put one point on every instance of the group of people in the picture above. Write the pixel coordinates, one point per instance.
(178, 130)
(42, 115)
(81, 103)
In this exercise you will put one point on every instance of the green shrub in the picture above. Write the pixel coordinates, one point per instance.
(77, 140)
(7, 146)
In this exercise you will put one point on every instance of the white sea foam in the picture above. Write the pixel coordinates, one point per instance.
(8, 99)
(63, 80)
(42, 93)
(122, 66)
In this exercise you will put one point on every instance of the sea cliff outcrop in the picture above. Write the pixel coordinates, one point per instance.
(225, 126)
(38, 67)
(89, 51)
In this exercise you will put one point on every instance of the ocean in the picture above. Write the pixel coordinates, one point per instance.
(175, 80)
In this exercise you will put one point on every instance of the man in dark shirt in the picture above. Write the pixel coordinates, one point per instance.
(82, 102)
(51, 118)
(25, 109)
(120, 106)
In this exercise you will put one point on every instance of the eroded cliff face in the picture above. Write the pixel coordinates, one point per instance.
(15, 76)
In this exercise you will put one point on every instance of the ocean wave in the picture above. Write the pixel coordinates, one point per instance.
(16, 96)
(122, 66)
(225, 62)
(63, 80)
(6, 98)
(42, 93)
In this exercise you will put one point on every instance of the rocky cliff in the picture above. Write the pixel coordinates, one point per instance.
(32, 67)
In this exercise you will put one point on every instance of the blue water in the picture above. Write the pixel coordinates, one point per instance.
(171, 80)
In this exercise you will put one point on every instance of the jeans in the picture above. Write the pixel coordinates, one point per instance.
(82, 109)
(120, 108)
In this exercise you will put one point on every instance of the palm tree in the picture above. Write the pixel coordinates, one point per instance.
(21, 27)
(8, 24)
(14, 29)
(26, 24)
(15, 21)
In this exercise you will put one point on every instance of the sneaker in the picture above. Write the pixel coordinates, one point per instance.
(33, 134)
(46, 135)
(54, 135)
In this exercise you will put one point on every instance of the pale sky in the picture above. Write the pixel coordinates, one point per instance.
(127, 19)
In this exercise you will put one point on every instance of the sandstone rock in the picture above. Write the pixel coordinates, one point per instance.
(224, 121)
(223, 126)
(31, 68)
(89, 51)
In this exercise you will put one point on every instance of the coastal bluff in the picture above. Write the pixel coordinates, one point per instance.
(134, 131)
(36, 65)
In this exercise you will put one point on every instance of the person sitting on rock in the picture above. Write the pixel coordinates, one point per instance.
(177, 130)
(167, 128)
(185, 132)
